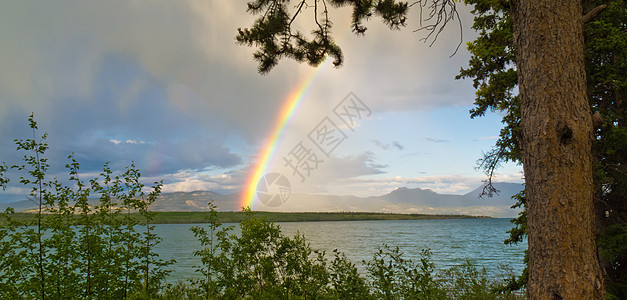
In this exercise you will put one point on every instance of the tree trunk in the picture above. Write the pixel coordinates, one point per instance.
(556, 139)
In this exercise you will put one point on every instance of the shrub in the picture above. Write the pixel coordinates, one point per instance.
(76, 249)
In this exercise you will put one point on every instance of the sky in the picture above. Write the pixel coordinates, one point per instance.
(162, 84)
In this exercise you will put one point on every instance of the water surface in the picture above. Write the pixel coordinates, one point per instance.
(452, 242)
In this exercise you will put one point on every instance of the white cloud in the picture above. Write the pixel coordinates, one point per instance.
(134, 142)
(189, 181)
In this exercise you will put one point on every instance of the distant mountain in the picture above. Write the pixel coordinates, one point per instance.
(195, 201)
(426, 197)
(401, 200)
(178, 201)
(408, 200)
(18, 206)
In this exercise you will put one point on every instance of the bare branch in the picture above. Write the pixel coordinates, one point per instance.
(490, 162)
(440, 13)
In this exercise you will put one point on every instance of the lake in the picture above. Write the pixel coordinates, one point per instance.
(452, 242)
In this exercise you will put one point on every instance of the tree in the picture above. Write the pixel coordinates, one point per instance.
(556, 150)
(492, 68)
(555, 129)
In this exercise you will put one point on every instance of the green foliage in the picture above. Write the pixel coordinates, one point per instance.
(606, 62)
(259, 262)
(492, 68)
(72, 250)
(394, 277)
(345, 280)
(277, 36)
(468, 282)
(209, 257)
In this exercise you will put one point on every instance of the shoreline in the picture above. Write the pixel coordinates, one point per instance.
(199, 217)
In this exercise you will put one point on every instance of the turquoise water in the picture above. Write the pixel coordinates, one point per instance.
(452, 242)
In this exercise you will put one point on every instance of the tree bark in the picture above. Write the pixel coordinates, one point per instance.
(556, 138)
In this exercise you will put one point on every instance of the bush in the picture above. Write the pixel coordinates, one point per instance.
(261, 263)
(394, 277)
(76, 249)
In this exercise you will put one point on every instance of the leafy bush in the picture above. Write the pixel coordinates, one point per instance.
(394, 277)
(262, 263)
(75, 249)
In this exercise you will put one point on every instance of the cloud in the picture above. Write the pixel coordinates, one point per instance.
(436, 140)
(398, 145)
(164, 157)
(416, 76)
(184, 49)
(117, 142)
(380, 144)
(416, 154)
(134, 142)
(333, 171)
(386, 146)
(189, 181)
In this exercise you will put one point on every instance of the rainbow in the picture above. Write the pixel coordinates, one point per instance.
(286, 112)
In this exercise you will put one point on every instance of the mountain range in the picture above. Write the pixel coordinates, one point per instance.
(400, 200)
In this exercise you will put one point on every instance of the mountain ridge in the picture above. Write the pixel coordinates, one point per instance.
(400, 200)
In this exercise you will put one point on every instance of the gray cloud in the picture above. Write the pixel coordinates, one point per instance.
(398, 145)
(70, 53)
(162, 73)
